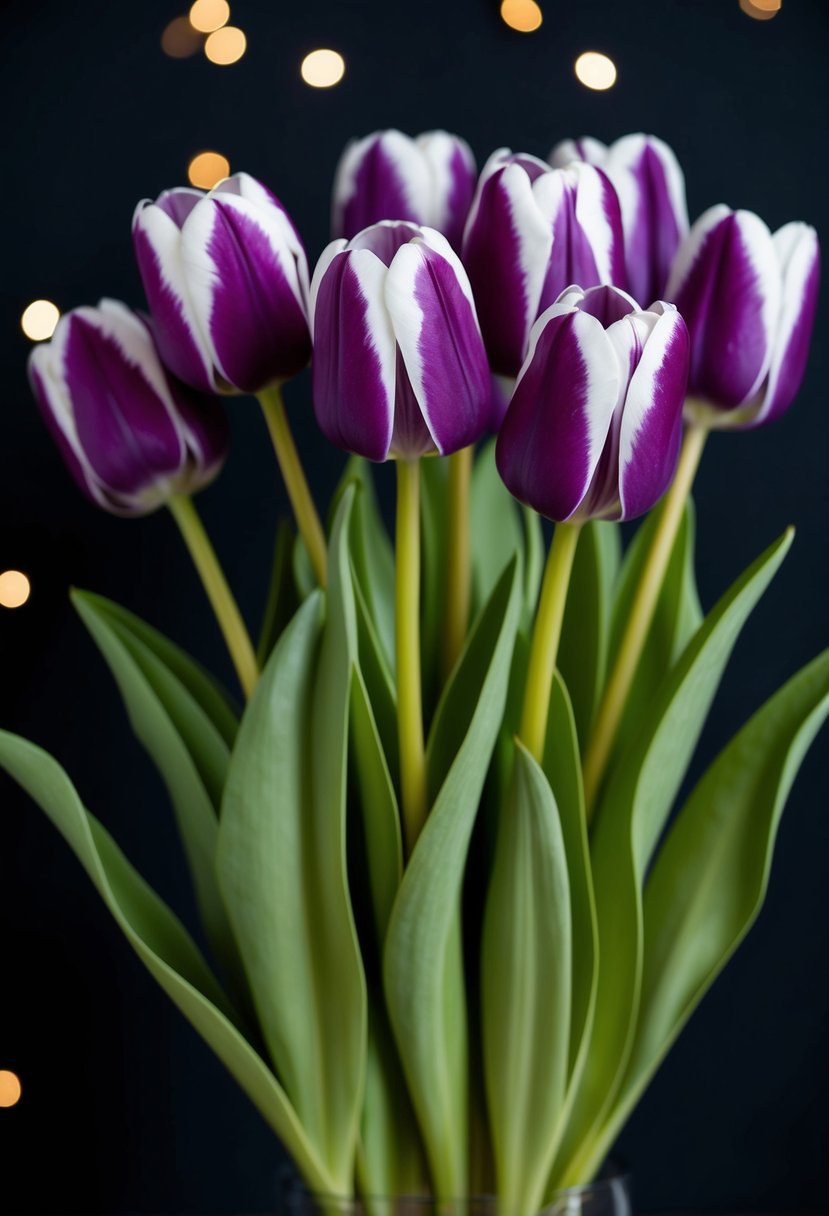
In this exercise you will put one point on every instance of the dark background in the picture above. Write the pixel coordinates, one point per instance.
(124, 1110)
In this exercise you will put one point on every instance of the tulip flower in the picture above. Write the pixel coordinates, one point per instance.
(749, 299)
(533, 231)
(651, 190)
(227, 283)
(131, 435)
(399, 364)
(389, 176)
(595, 422)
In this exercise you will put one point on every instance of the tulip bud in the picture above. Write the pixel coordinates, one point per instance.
(749, 300)
(227, 282)
(595, 422)
(651, 190)
(131, 435)
(399, 364)
(388, 176)
(531, 232)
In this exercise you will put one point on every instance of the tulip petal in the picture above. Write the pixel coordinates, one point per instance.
(381, 177)
(556, 426)
(430, 305)
(651, 429)
(506, 249)
(591, 151)
(451, 168)
(726, 283)
(246, 291)
(179, 335)
(798, 254)
(353, 370)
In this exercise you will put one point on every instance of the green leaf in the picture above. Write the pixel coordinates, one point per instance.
(709, 879)
(525, 981)
(533, 565)
(161, 943)
(676, 619)
(423, 965)
(187, 748)
(583, 650)
(283, 599)
(372, 556)
(379, 682)
(631, 816)
(495, 526)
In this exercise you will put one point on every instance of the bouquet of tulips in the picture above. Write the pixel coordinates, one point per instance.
(455, 919)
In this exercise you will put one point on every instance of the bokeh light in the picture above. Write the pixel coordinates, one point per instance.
(10, 1088)
(323, 68)
(522, 15)
(39, 319)
(180, 40)
(15, 588)
(761, 10)
(226, 45)
(595, 71)
(207, 169)
(209, 15)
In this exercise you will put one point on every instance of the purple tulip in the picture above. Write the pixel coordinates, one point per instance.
(227, 282)
(131, 435)
(749, 300)
(651, 190)
(388, 176)
(399, 363)
(532, 232)
(594, 426)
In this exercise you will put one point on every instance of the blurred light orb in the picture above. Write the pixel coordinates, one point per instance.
(595, 71)
(15, 589)
(209, 15)
(522, 15)
(761, 10)
(323, 68)
(10, 1088)
(207, 169)
(226, 45)
(180, 40)
(39, 319)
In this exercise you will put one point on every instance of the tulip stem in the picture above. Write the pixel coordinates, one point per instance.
(305, 513)
(407, 627)
(546, 636)
(641, 615)
(218, 592)
(457, 555)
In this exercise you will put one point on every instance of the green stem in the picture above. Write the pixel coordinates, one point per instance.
(641, 616)
(546, 637)
(458, 560)
(407, 625)
(305, 512)
(218, 592)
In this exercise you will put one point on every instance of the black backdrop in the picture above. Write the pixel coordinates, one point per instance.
(123, 1108)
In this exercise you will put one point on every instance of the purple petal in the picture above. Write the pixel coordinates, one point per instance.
(506, 249)
(385, 238)
(429, 302)
(651, 429)
(353, 371)
(797, 249)
(726, 283)
(606, 304)
(556, 426)
(177, 204)
(180, 340)
(381, 177)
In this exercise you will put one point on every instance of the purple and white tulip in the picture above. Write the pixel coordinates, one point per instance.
(749, 300)
(531, 232)
(651, 189)
(131, 435)
(389, 176)
(399, 364)
(594, 426)
(226, 278)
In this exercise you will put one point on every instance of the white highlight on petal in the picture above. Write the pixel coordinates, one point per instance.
(533, 232)
(438, 149)
(437, 241)
(591, 151)
(407, 319)
(326, 258)
(372, 278)
(591, 191)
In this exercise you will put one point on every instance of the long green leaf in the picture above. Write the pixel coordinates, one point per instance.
(526, 986)
(283, 596)
(631, 817)
(423, 966)
(372, 555)
(162, 944)
(710, 876)
(496, 534)
(188, 750)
